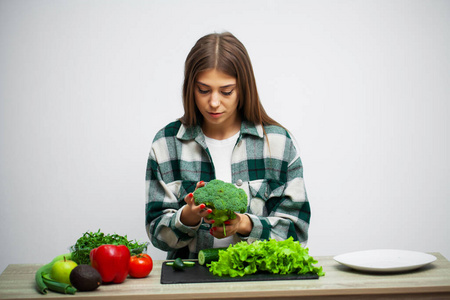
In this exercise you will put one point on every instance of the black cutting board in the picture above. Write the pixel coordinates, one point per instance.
(200, 274)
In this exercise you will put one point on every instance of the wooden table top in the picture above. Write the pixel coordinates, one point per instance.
(429, 282)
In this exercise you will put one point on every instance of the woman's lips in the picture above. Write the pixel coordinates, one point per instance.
(215, 115)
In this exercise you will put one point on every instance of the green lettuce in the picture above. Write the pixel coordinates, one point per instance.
(277, 257)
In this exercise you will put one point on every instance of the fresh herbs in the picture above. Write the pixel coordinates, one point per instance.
(91, 240)
(277, 257)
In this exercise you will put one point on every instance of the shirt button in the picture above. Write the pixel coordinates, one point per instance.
(239, 182)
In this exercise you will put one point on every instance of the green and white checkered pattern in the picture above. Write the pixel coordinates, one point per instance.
(269, 168)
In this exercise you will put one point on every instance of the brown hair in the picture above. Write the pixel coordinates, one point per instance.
(225, 53)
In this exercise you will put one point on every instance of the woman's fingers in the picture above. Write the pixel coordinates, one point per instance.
(205, 212)
(209, 221)
(189, 199)
(200, 210)
(218, 231)
(200, 184)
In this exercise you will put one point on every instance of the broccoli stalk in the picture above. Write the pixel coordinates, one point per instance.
(224, 199)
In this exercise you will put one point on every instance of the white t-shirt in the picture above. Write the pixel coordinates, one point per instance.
(221, 151)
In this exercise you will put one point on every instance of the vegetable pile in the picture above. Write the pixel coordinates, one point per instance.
(277, 257)
(224, 199)
(95, 258)
(91, 240)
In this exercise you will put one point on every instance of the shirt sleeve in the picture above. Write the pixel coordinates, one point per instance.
(281, 209)
(163, 210)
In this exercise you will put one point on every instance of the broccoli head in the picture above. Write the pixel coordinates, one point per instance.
(223, 198)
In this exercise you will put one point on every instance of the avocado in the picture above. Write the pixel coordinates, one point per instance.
(85, 278)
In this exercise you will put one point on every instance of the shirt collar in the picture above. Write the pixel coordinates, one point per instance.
(252, 129)
(194, 132)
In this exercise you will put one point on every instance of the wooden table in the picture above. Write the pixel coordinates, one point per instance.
(429, 282)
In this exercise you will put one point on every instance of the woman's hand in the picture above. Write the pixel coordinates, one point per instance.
(242, 225)
(192, 214)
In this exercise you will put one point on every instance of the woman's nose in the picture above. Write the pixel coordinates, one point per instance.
(215, 100)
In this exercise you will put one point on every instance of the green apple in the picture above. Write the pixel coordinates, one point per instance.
(61, 270)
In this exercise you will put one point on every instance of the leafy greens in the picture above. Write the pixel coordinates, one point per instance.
(91, 240)
(277, 257)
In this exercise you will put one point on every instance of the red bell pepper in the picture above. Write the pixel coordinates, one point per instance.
(111, 261)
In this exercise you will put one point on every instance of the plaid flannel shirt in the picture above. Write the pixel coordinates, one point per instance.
(269, 170)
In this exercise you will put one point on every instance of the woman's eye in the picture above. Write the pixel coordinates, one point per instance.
(203, 91)
(228, 93)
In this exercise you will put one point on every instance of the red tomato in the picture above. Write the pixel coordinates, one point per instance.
(140, 265)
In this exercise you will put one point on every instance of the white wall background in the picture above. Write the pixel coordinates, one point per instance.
(363, 86)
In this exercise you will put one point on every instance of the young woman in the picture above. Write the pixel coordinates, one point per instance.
(224, 134)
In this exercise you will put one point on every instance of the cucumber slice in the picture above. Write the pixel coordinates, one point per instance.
(189, 263)
(185, 263)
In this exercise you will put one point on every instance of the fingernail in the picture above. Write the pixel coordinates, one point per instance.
(209, 211)
(201, 182)
(227, 222)
(212, 221)
(213, 228)
(202, 206)
(211, 231)
(191, 195)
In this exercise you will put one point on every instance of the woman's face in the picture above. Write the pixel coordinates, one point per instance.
(216, 97)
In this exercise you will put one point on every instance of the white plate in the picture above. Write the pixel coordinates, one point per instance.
(385, 260)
